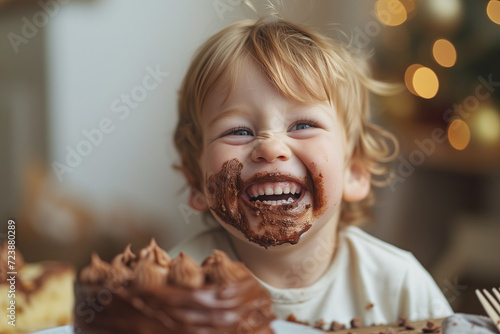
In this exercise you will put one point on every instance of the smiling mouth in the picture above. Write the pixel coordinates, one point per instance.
(275, 193)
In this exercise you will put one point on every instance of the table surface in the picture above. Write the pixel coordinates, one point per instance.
(381, 329)
(365, 330)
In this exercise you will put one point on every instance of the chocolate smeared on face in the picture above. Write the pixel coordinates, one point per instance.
(223, 188)
(318, 195)
(280, 223)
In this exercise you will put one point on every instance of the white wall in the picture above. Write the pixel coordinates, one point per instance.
(99, 50)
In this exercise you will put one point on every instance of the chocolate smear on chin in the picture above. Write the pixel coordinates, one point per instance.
(280, 224)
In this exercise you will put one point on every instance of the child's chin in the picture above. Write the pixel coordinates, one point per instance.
(264, 224)
(274, 232)
(271, 238)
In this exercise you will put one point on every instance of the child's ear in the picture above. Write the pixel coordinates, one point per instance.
(197, 200)
(356, 181)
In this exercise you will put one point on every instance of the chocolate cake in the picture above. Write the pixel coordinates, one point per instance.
(152, 293)
(35, 295)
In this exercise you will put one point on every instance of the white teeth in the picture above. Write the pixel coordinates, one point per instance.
(280, 202)
(269, 191)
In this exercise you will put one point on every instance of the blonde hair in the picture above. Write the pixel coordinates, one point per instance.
(304, 66)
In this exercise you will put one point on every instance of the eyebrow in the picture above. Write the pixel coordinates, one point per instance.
(227, 112)
(307, 107)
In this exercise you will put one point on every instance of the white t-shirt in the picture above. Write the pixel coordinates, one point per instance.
(368, 278)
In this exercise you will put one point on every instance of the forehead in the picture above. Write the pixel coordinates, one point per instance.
(241, 84)
(247, 80)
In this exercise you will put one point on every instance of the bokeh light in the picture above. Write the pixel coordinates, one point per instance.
(425, 82)
(390, 12)
(444, 53)
(409, 7)
(493, 11)
(458, 134)
(485, 124)
(410, 71)
(444, 11)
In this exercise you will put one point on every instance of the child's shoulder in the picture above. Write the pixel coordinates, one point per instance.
(367, 247)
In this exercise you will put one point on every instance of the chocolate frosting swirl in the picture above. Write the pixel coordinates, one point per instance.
(120, 266)
(160, 256)
(219, 268)
(171, 296)
(124, 258)
(185, 272)
(98, 271)
(149, 273)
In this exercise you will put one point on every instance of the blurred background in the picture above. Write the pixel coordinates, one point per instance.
(88, 95)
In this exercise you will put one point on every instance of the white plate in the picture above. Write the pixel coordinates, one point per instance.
(279, 326)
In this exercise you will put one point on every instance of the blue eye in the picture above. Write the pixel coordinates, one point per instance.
(304, 124)
(301, 126)
(238, 132)
(241, 132)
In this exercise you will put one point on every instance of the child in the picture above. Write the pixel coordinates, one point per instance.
(276, 144)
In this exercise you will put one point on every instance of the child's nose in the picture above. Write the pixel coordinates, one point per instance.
(270, 150)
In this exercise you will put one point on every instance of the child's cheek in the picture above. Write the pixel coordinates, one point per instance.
(325, 166)
(215, 158)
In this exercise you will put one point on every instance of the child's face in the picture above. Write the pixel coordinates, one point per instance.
(273, 168)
